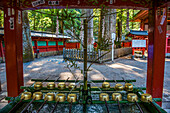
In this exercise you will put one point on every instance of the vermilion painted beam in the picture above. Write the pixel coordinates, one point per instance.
(13, 50)
(116, 4)
(156, 53)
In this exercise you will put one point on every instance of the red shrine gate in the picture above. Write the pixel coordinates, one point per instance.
(156, 46)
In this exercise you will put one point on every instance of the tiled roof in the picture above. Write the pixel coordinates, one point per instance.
(40, 34)
(45, 34)
(141, 33)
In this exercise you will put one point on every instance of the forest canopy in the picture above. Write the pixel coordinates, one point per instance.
(45, 20)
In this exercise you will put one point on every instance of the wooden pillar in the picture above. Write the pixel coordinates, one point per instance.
(77, 45)
(47, 49)
(85, 54)
(156, 51)
(1, 55)
(142, 25)
(57, 48)
(133, 53)
(143, 52)
(166, 45)
(36, 46)
(13, 50)
(64, 43)
(2, 51)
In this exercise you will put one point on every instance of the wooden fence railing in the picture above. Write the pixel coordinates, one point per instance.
(92, 56)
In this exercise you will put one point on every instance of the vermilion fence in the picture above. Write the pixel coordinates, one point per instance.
(126, 44)
(48, 48)
(72, 45)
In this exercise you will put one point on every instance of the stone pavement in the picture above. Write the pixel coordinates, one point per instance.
(121, 67)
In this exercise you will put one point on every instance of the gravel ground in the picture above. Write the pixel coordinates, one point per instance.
(122, 67)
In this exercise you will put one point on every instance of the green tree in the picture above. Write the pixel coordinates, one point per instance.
(45, 19)
(1, 18)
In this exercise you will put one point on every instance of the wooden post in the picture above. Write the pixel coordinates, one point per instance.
(142, 25)
(143, 52)
(36, 49)
(99, 55)
(133, 53)
(2, 51)
(13, 50)
(64, 53)
(81, 54)
(73, 52)
(47, 46)
(36, 46)
(78, 52)
(85, 55)
(156, 52)
(2, 55)
(57, 47)
(100, 28)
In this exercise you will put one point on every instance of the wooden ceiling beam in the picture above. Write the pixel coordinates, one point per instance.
(47, 4)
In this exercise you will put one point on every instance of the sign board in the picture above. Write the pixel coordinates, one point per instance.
(38, 2)
(53, 2)
(19, 17)
(9, 12)
(13, 11)
(11, 21)
(138, 43)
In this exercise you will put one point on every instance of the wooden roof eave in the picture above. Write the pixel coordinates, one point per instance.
(142, 15)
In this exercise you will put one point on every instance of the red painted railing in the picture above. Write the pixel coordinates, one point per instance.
(126, 44)
(56, 48)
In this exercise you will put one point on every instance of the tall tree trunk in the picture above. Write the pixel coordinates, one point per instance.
(120, 26)
(114, 21)
(62, 27)
(101, 28)
(119, 30)
(90, 39)
(127, 21)
(34, 19)
(133, 19)
(82, 28)
(110, 23)
(57, 27)
(108, 28)
(28, 54)
(62, 24)
(107, 22)
(87, 14)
